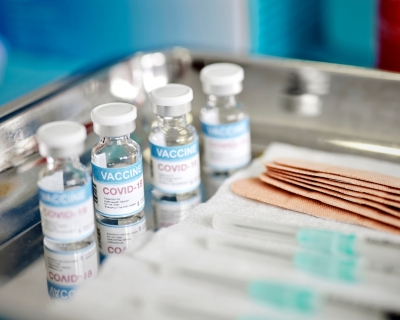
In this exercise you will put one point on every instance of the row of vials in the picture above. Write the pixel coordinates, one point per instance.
(72, 201)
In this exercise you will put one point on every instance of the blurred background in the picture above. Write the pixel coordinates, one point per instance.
(45, 40)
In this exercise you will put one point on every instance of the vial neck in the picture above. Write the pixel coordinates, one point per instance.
(115, 140)
(172, 122)
(222, 101)
(62, 162)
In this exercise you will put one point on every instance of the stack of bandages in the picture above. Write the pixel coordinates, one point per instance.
(348, 195)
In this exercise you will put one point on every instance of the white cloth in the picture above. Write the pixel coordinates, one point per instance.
(182, 243)
(225, 201)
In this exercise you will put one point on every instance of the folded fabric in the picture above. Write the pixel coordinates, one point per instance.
(254, 188)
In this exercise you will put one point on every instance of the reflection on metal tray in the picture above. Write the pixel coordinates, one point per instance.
(316, 105)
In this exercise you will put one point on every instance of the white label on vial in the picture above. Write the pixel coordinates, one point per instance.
(54, 182)
(176, 169)
(67, 270)
(100, 160)
(115, 239)
(227, 146)
(169, 213)
(67, 215)
(118, 192)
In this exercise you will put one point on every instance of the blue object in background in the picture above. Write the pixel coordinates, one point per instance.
(25, 72)
(101, 29)
(285, 28)
(50, 40)
(92, 29)
(338, 31)
(3, 58)
(349, 31)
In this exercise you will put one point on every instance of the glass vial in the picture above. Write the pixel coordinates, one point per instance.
(168, 213)
(65, 187)
(118, 186)
(224, 121)
(66, 209)
(70, 266)
(175, 165)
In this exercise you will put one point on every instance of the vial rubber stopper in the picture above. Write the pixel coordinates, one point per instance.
(171, 100)
(222, 79)
(61, 139)
(114, 119)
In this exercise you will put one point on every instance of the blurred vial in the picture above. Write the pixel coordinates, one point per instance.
(118, 189)
(168, 212)
(115, 236)
(65, 187)
(69, 266)
(175, 165)
(66, 208)
(303, 91)
(224, 121)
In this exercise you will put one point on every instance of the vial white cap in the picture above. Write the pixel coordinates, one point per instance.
(171, 100)
(61, 139)
(222, 79)
(114, 119)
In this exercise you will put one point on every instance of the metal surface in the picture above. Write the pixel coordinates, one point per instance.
(127, 81)
(358, 113)
(359, 110)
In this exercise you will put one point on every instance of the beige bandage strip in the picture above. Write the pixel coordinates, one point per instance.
(386, 198)
(335, 177)
(336, 194)
(356, 194)
(336, 202)
(368, 176)
(377, 179)
(254, 188)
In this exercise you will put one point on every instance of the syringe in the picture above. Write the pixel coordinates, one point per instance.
(351, 270)
(326, 241)
(285, 296)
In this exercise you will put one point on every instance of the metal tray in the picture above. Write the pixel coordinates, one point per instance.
(317, 105)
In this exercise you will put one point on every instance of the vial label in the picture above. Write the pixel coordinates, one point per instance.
(226, 146)
(118, 192)
(54, 182)
(115, 239)
(175, 169)
(67, 215)
(168, 213)
(67, 270)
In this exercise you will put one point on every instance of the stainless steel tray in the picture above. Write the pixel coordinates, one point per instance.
(317, 105)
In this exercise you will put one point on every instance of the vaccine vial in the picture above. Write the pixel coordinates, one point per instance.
(70, 266)
(118, 187)
(66, 209)
(175, 165)
(224, 121)
(65, 187)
